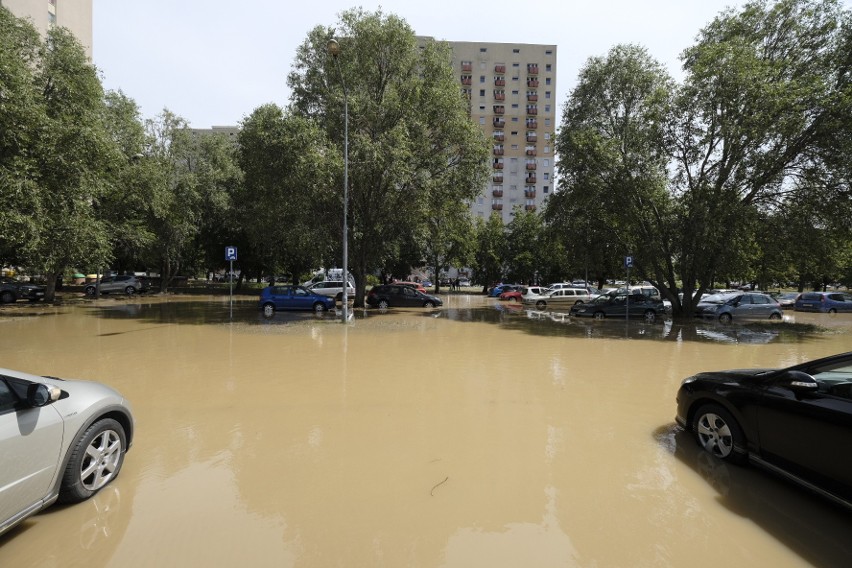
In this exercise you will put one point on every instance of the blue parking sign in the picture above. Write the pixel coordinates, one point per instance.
(628, 262)
(230, 253)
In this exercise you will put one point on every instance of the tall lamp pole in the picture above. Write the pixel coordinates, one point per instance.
(334, 50)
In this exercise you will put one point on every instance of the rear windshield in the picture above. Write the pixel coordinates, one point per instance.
(812, 296)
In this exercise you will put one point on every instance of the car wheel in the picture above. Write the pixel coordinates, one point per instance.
(95, 461)
(383, 304)
(319, 307)
(90, 290)
(541, 304)
(578, 302)
(650, 316)
(339, 297)
(599, 315)
(725, 318)
(718, 433)
(428, 305)
(832, 311)
(130, 290)
(7, 297)
(775, 316)
(268, 310)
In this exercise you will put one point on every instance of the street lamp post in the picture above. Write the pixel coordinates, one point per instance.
(334, 51)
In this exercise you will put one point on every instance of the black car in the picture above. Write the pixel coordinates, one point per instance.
(637, 306)
(796, 422)
(400, 296)
(11, 291)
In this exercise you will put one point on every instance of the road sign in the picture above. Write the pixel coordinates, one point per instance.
(230, 253)
(628, 262)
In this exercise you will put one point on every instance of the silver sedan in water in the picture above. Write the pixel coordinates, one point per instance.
(59, 440)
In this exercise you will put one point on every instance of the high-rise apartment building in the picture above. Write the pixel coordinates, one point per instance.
(76, 15)
(512, 92)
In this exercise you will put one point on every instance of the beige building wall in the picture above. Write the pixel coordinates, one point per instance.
(512, 93)
(76, 15)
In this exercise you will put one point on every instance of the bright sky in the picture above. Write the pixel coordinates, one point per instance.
(214, 61)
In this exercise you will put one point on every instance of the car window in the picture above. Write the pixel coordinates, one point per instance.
(7, 398)
(759, 299)
(301, 292)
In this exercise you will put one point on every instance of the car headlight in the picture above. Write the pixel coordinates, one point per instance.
(688, 380)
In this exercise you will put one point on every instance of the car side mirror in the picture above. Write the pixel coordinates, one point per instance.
(41, 395)
(798, 380)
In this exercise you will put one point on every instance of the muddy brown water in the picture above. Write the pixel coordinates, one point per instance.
(472, 435)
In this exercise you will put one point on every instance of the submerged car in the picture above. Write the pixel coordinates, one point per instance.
(274, 298)
(11, 291)
(824, 302)
(795, 421)
(61, 440)
(127, 283)
(333, 289)
(728, 307)
(558, 298)
(400, 296)
(616, 305)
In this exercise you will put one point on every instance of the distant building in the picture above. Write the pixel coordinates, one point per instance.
(512, 92)
(76, 15)
(231, 132)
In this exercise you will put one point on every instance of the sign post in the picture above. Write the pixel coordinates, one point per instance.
(231, 256)
(628, 264)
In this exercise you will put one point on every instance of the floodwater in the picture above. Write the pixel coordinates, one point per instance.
(474, 435)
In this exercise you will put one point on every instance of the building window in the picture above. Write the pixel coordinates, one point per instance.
(514, 133)
(546, 176)
(549, 52)
(516, 64)
(481, 80)
(483, 49)
(514, 105)
(548, 68)
(546, 122)
(545, 189)
(546, 163)
(514, 146)
(547, 81)
(514, 119)
(547, 135)
(516, 50)
(481, 92)
(547, 149)
(482, 120)
(546, 110)
(547, 94)
(482, 108)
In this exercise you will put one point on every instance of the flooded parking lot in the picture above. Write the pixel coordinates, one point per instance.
(478, 434)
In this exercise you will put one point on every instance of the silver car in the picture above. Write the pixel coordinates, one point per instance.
(59, 440)
(125, 283)
(728, 307)
(559, 298)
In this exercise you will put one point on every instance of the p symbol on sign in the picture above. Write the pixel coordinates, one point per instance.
(230, 253)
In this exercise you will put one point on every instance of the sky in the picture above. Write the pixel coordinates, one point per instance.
(213, 62)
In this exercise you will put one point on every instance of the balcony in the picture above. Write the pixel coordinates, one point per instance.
(532, 123)
(499, 95)
(498, 150)
(498, 165)
(497, 206)
(532, 69)
(499, 137)
(497, 178)
(531, 137)
(499, 122)
(497, 193)
(530, 151)
(530, 179)
(499, 109)
(532, 98)
(531, 166)
(529, 207)
(466, 80)
(499, 82)
(532, 82)
(500, 68)
(467, 66)
(529, 193)
(532, 109)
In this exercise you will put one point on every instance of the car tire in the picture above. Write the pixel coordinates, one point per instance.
(578, 302)
(718, 433)
(725, 318)
(775, 317)
(95, 461)
(650, 316)
(541, 304)
(130, 290)
(428, 305)
(268, 310)
(339, 297)
(90, 291)
(599, 315)
(7, 297)
(832, 311)
(319, 307)
(383, 304)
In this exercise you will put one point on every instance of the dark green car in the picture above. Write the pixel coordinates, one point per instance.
(637, 306)
(11, 291)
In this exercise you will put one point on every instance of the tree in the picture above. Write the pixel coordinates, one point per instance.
(287, 191)
(409, 131)
(524, 245)
(490, 250)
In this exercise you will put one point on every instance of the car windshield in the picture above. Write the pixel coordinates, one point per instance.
(717, 298)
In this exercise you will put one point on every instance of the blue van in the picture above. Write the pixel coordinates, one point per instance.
(825, 302)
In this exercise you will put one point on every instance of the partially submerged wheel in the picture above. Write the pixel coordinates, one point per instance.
(6, 297)
(90, 290)
(775, 316)
(832, 310)
(95, 461)
(319, 307)
(383, 304)
(429, 304)
(599, 315)
(268, 310)
(650, 316)
(718, 433)
(541, 304)
(725, 318)
(130, 290)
